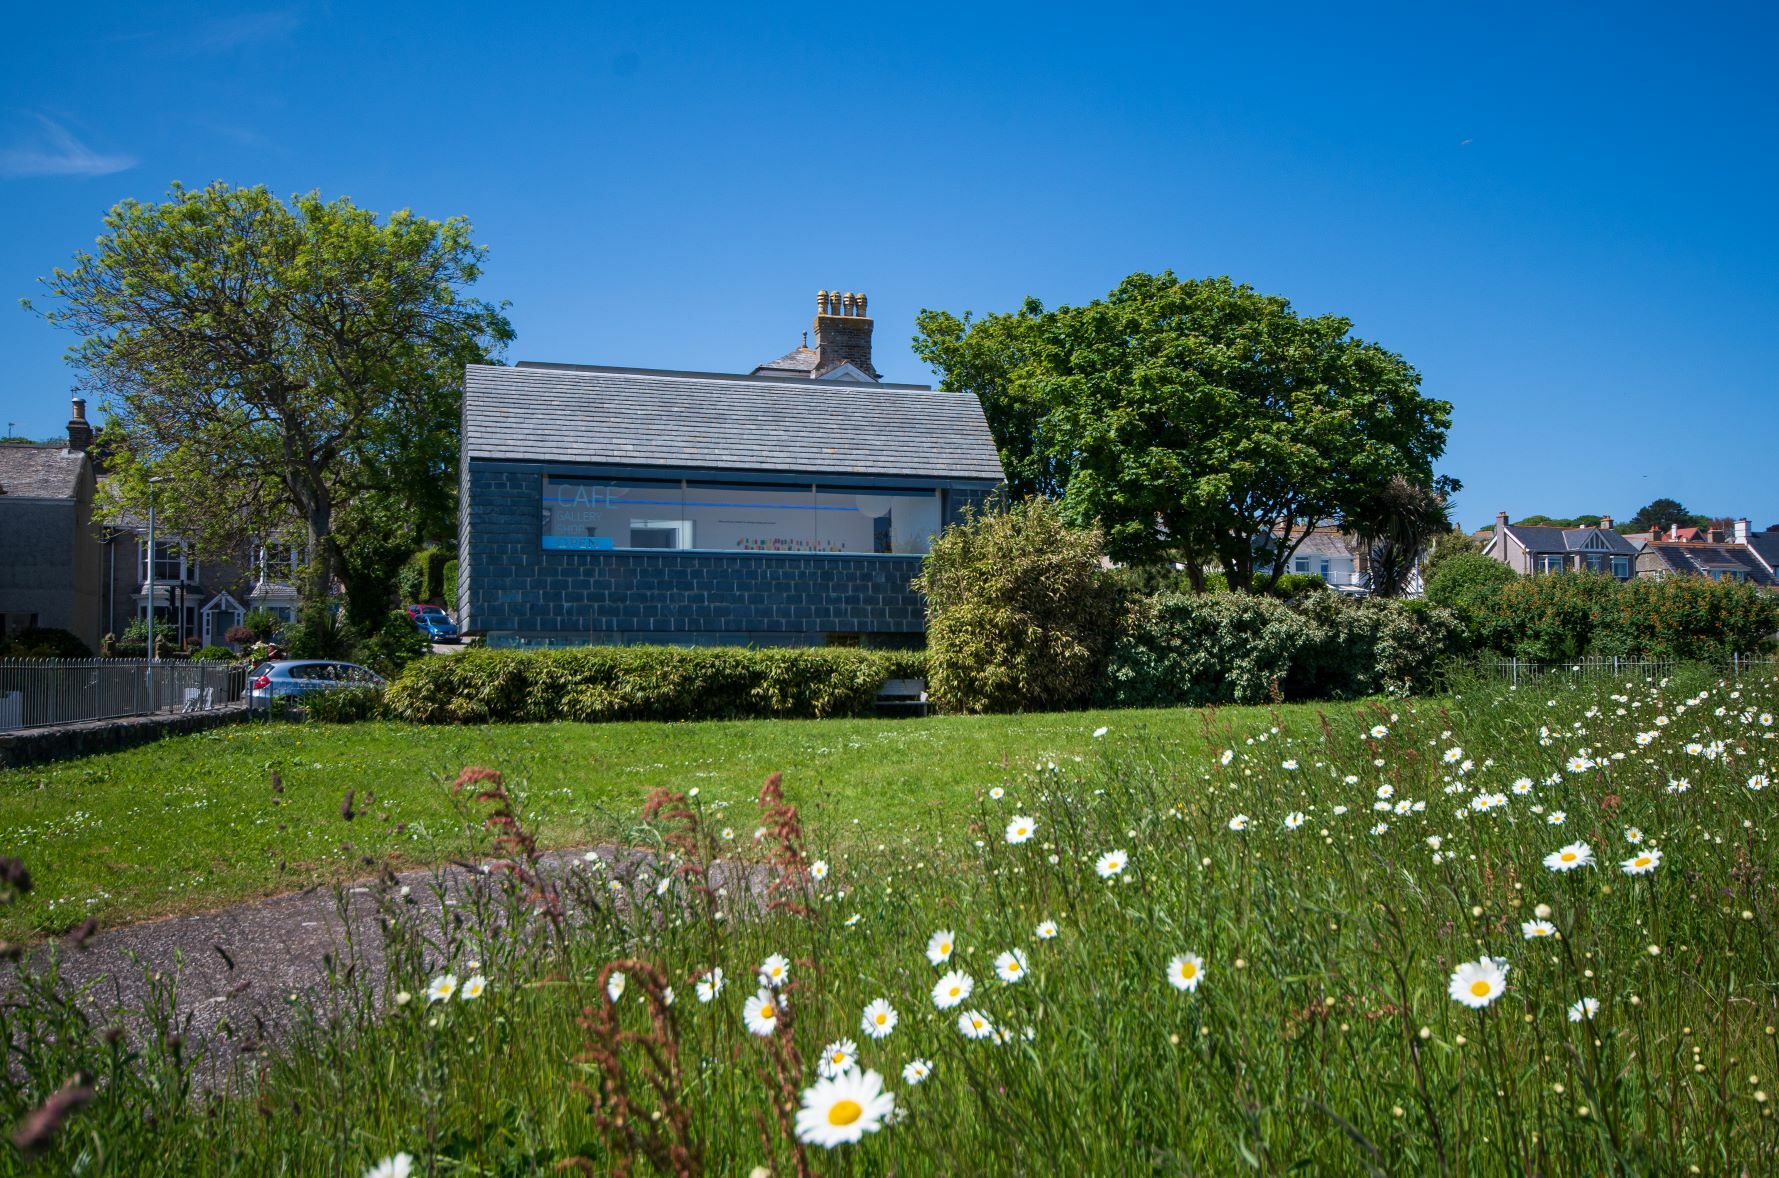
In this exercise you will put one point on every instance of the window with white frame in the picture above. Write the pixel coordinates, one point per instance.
(1550, 563)
(170, 561)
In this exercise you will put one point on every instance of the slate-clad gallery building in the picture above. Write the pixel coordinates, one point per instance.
(787, 506)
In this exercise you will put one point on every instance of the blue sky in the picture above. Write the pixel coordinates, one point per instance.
(1562, 216)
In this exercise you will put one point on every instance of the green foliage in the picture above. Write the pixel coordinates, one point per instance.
(281, 362)
(1291, 586)
(1223, 648)
(1020, 611)
(1187, 417)
(213, 654)
(262, 623)
(422, 577)
(1455, 542)
(344, 705)
(1468, 584)
(450, 584)
(44, 642)
(647, 683)
(1551, 617)
(1663, 513)
(393, 645)
(1395, 527)
(321, 632)
(137, 630)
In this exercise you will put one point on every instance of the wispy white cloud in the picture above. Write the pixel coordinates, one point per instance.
(249, 28)
(56, 152)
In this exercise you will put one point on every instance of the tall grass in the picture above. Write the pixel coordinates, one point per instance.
(1318, 1033)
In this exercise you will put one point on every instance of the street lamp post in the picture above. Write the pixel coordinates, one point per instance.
(152, 701)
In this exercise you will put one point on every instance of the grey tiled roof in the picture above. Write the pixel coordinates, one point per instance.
(633, 417)
(1542, 539)
(1766, 546)
(799, 359)
(1698, 559)
(40, 472)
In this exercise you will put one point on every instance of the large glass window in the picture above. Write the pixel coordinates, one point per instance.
(713, 516)
(169, 560)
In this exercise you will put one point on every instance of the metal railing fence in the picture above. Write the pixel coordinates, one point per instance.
(42, 693)
(1518, 671)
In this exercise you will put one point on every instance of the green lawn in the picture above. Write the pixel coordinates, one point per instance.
(192, 822)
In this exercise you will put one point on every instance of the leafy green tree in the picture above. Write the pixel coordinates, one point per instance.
(1456, 542)
(1396, 528)
(1663, 513)
(1189, 417)
(278, 362)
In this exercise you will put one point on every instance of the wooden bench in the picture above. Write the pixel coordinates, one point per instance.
(902, 696)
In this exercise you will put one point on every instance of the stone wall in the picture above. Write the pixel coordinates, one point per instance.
(35, 746)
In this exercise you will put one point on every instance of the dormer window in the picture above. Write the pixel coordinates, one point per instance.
(170, 561)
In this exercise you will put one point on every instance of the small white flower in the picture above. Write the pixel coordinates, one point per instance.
(1046, 930)
(710, 985)
(879, 1019)
(1099, 732)
(472, 987)
(838, 1057)
(939, 946)
(1643, 862)
(1010, 966)
(819, 870)
(1186, 971)
(1294, 820)
(1021, 829)
(400, 1165)
(442, 988)
(1110, 864)
(614, 985)
(1585, 1008)
(952, 989)
(1239, 822)
(1478, 983)
(775, 971)
(973, 1024)
(915, 1071)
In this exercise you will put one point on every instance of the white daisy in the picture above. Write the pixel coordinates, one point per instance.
(1570, 857)
(1010, 966)
(1586, 1008)
(841, 1109)
(1533, 929)
(952, 989)
(997, 793)
(1294, 820)
(1478, 983)
(710, 985)
(1099, 732)
(1239, 822)
(1643, 862)
(1758, 781)
(879, 1019)
(1185, 971)
(1020, 829)
(775, 971)
(1378, 732)
(842, 1055)
(819, 870)
(399, 1166)
(1556, 817)
(973, 1024)
(473, 987)
(1110, 864)
(614, 985)
(916, 1070)
(1046, 930)
(442, 988)
(939, 946)
(760, 1013)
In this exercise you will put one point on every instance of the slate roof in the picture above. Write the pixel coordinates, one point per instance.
(40, 472)
(643, 417)
(1766, 546)
(800, 359)
(1705, 559)
(1542, 539)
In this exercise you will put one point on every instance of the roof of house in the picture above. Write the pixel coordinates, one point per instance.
(1703, 558)
(799, 360)
(40, 472)
(644, 417)
(1545, 539)
(1766, 546)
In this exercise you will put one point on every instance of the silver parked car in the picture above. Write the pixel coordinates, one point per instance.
(288, 677)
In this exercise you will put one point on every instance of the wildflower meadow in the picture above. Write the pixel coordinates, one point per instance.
(1496, 931)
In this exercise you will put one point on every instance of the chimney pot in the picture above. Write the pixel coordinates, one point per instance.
(80, 433)
(821, 302)
(1500, 522)
(1741, 531)
(842, 333)
(1605, 523)
(861, 302)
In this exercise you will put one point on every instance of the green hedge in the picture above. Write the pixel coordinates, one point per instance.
(343, 705)
(1193, 650)
(646, 683)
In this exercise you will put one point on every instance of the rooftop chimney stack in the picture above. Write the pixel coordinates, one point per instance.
(842, 333)
(1500, 522)
(1742, 531)
(80, 433)
(1605, 523)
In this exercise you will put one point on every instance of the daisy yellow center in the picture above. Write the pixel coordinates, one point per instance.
(767, 1011)
(1643, 860)
(955, 990)
(844, 1112)
(882, 1018)
(1188, 970)
(1112, 864)
(1568, 856)
(1480, 988)
(945, 948)
(839, 1057)
(1013, 967)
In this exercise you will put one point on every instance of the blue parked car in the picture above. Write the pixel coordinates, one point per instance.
(435, 623)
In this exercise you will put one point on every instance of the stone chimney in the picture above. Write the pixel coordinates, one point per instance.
(1605, 523)
(842, 333)
(80, 434)
(1741, 532)
(1500, 523)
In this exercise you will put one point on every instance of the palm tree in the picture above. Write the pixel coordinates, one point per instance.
(1396, 529)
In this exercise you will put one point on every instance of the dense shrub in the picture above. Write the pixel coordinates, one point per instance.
(213, 654)
(1020, 612)
(450, 581)
(1551, 617)
(1291, 586)
(1220, 648)
(396, 643)
(422, 576)
(344, 705)
(647, 683)
(261, 624)
(1687, 618)
(321, 632)
(44, 642)
(1469, 585)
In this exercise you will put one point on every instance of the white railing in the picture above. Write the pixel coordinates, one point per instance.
(42, 693)
(1519, 671)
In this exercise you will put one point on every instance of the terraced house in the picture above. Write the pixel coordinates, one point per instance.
(787, 505)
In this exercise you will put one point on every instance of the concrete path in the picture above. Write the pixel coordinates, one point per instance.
(237, 969)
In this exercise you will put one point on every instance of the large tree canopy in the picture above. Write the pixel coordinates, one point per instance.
(1190, 418)
(281, 363)
(1664, 513)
